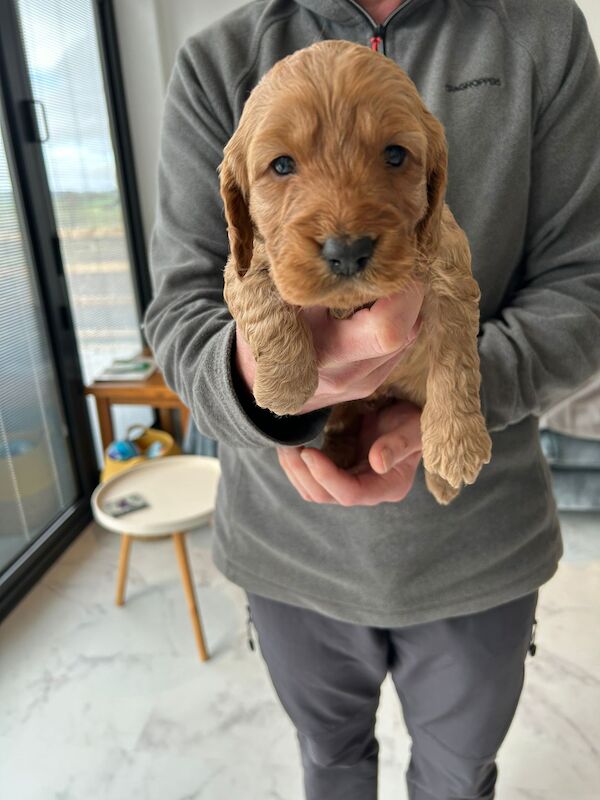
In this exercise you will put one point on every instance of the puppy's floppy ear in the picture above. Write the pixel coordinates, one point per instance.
(234, 190)
(429, 228)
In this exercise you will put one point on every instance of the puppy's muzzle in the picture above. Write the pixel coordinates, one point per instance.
(346, 256)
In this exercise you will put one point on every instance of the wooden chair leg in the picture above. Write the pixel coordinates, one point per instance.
(188, 586)
(123, 564)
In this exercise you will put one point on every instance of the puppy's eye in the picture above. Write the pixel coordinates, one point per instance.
(284, 165)
(395, 155)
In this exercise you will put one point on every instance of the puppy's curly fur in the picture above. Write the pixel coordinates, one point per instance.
(335, 107)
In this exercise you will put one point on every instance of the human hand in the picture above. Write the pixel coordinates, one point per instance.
(389, 453)
(356, 355)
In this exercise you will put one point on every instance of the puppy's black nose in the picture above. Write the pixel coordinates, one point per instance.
(347, 256)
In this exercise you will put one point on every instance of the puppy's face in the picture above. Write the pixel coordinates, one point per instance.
(339, 169)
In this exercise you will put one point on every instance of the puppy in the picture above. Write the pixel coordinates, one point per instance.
(333, 186)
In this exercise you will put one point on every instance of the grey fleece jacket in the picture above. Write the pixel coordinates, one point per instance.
(517, 85)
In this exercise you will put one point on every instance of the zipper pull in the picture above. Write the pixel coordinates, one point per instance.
(249, 629)
(532, 644)
(377, 38)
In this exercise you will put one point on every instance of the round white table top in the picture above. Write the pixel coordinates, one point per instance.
(180, 490)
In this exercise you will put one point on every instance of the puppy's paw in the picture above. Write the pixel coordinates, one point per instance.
(284, 388)
(455, 447)
(440, 489)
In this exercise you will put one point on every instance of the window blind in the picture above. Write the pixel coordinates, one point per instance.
(36, 474)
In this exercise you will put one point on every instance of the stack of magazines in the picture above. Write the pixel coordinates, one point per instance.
(137, 368)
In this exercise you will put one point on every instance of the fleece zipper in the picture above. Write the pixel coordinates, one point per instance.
(377, 38)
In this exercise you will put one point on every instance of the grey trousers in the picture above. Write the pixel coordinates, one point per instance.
(458, 680)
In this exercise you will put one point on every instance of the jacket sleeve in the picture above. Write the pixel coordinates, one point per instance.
(546, 341)
(187, 323)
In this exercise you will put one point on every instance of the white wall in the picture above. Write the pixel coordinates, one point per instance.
(178, 19)
(139, 46)
(591, 9)
(150, 32)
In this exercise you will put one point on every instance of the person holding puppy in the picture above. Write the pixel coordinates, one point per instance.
(353, 574)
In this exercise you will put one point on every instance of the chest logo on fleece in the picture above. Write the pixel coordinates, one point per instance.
(472, 84)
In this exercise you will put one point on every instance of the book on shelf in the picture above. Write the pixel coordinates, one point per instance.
(137, 368)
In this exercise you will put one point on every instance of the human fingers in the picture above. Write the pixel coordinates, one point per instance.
(244, 360)
(396, 483)
(390, 324)
(351, 382)
(300, 477)
(291, 476)
(400, 429)
(362, 488)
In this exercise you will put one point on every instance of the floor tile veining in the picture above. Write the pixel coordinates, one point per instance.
(107, 703)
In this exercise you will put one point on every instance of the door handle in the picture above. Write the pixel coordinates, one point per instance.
(35, 112)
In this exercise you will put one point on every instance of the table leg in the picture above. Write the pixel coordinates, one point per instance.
(185, 418)
(123, 564)
(188, 586)
(165, 416)
(105, 420)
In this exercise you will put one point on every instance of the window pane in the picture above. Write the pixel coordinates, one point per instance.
(65, 72)
(36, 474)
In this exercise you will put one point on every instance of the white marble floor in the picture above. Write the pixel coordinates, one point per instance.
(106, 703)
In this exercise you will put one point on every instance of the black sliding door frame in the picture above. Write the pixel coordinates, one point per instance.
(32, 194)
(106, 29)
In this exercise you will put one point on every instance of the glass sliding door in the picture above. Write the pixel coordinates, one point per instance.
(73, 274)
(37, 478)
(63, 61)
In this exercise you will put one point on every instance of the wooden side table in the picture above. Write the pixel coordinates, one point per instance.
(152, 392)
(181, 491)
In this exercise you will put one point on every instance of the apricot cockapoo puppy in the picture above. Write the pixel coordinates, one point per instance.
(333, 186)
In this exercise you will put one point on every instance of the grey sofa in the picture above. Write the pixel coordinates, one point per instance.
(570, 437)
